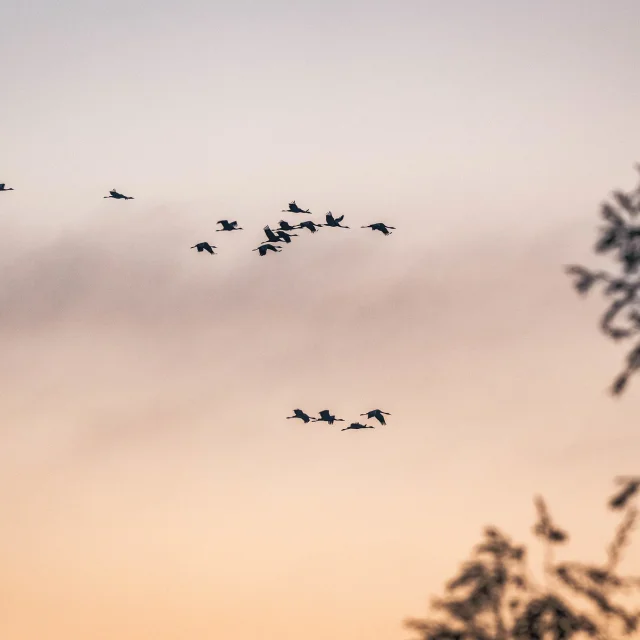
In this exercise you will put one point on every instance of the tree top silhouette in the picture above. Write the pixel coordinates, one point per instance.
(619, 237)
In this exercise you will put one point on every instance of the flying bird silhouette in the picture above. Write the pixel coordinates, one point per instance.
(334, 222)
(294, 208)
(2, 188)
(325, 416)
(299, 413)
(205, 246)
(285, 226)
(307, 224)
(377, 414)
(271, 236)
(118, 196)
(266, 247)
(286, 236)
(379, 226)
(229, 226)
(357, 425)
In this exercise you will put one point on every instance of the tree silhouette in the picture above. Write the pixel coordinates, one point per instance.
(620, 238)
(494, 597)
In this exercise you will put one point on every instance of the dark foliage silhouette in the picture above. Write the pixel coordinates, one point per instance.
(619, 237)
(494, 597)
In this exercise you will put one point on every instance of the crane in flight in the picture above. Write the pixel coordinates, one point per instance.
(357, 425)
(294, 208)
(377, 414)
(271, 236)
(379, 226)
(285, 226)
(299, 413)
(118, 196)
(266, 247)
(325, 416)
(205, 246)
(334, 222)
(307, 224)
(286, 236)
(229, 226)
(3, 188)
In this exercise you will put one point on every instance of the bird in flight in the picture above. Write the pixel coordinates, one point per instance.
(285, 226)
(117, 196)
(266, 247)
(228, 226)
(271, 236)
(377, 414)
(2, 188)
(325, 416)
(357, 425)
(307, 224)
(379, 226)
(334, 222)
(299, 413)
(205, 246)
(286, 236)
(294, 208)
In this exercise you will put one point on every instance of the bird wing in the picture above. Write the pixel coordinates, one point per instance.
(324, 413)
(269, 233)
(1, 186)
(340, 219)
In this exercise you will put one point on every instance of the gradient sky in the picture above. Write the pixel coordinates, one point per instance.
(151, 487)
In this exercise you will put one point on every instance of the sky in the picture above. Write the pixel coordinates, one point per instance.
(150, 482)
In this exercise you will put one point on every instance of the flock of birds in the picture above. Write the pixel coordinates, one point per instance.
(325, 416)
(282, 234)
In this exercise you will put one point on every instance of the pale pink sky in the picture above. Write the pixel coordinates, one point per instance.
(151, 485)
